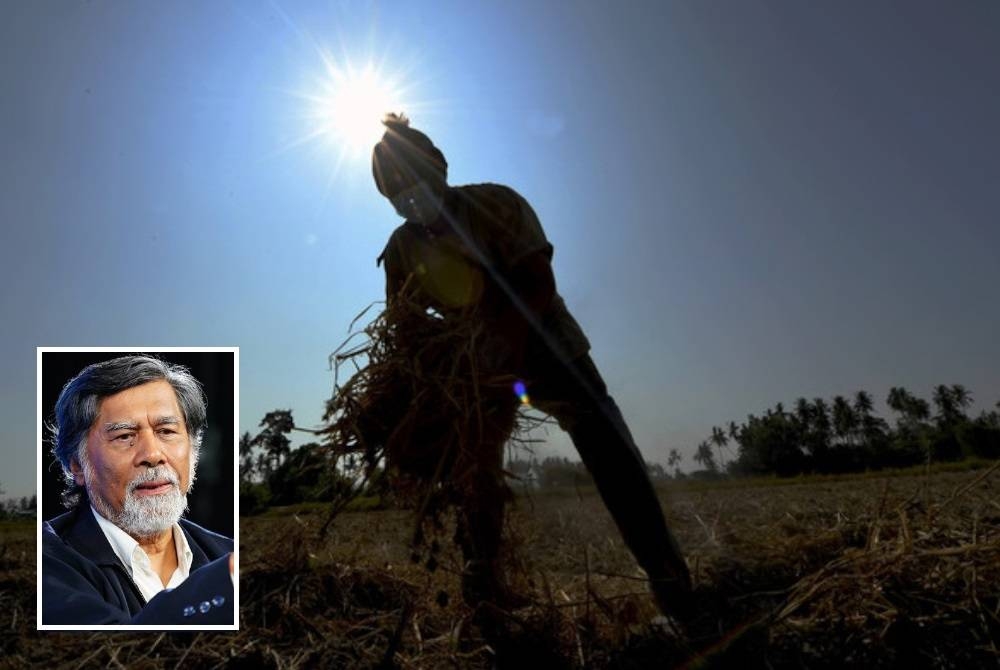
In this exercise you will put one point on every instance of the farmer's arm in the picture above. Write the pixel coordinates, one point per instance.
(524, 296)
(396, 272)
(394, 280)
(528, 286)
(406, 305)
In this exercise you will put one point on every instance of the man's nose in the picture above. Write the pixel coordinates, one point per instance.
(148, 449)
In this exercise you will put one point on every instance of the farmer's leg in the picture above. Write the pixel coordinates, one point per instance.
(483, 495)
(577, 397)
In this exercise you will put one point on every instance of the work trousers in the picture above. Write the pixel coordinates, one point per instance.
(576, 396)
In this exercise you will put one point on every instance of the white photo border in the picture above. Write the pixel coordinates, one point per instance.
(40, 464)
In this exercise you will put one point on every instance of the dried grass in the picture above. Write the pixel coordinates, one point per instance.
(921, 574)
(424, 402)
(900, 573)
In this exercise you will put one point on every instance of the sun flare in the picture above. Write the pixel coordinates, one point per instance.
(342, 103)
(353, 103)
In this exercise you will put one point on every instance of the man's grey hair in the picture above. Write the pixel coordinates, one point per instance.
(76, 409)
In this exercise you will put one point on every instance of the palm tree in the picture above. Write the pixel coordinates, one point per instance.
(802, 422)
(899, 401)
(705, 456)
(803, 412)
(720, 440)
(246, 457)
(962, 398)
(734, 430)
(273, 438)
(673, 460)
(946, 405)
(911, 432)
(912, 410)
(821, 417)
(863, 406)
(844, 420)
(920, 410)
(951, 402)
(818, 435)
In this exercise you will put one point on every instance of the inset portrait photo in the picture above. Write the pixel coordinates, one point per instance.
(137, 486)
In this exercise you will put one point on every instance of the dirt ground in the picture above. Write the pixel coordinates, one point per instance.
(867, 571)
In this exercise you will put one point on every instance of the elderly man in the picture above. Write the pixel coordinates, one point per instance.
(127, 433)
(479, 252)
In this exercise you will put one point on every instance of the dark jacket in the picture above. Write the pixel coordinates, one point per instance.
(84, 581)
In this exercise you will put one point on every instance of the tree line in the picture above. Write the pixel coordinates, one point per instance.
(272, 473)
(814, 436)
(845, 435)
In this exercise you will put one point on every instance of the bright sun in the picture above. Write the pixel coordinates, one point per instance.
(353, 103)
(345, 102)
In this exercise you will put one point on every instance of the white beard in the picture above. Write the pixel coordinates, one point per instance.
(142, 516)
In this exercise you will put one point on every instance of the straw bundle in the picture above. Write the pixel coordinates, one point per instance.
(424, 402)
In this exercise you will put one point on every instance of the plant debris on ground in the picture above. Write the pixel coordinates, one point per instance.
(894, 572)
(867, 571)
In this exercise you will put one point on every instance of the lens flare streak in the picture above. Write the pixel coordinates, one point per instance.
(521, 391)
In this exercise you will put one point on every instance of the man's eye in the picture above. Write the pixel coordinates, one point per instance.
(125, 437)
(167, 431)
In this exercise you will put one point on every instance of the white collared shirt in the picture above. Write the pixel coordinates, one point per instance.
(136, 560)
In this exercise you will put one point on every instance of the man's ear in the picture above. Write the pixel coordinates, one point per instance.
(76, 469)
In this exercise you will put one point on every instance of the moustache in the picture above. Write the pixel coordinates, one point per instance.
(161, 474)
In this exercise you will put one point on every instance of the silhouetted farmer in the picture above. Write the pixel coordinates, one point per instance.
(479, 252)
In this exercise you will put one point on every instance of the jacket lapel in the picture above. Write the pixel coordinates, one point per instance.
(86, 536)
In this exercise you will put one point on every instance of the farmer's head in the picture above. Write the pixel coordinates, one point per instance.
(128, 433)
(410, 171)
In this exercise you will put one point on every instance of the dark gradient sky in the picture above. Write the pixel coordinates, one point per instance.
(749, 201)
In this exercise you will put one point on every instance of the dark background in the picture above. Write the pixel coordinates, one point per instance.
(211, 500)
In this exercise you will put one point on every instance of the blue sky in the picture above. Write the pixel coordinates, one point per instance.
(749, 201)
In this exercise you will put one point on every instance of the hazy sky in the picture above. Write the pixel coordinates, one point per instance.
(749, 201)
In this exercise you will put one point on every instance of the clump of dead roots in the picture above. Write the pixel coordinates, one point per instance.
(427, 407)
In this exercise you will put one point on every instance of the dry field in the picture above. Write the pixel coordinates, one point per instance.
(869, 572)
